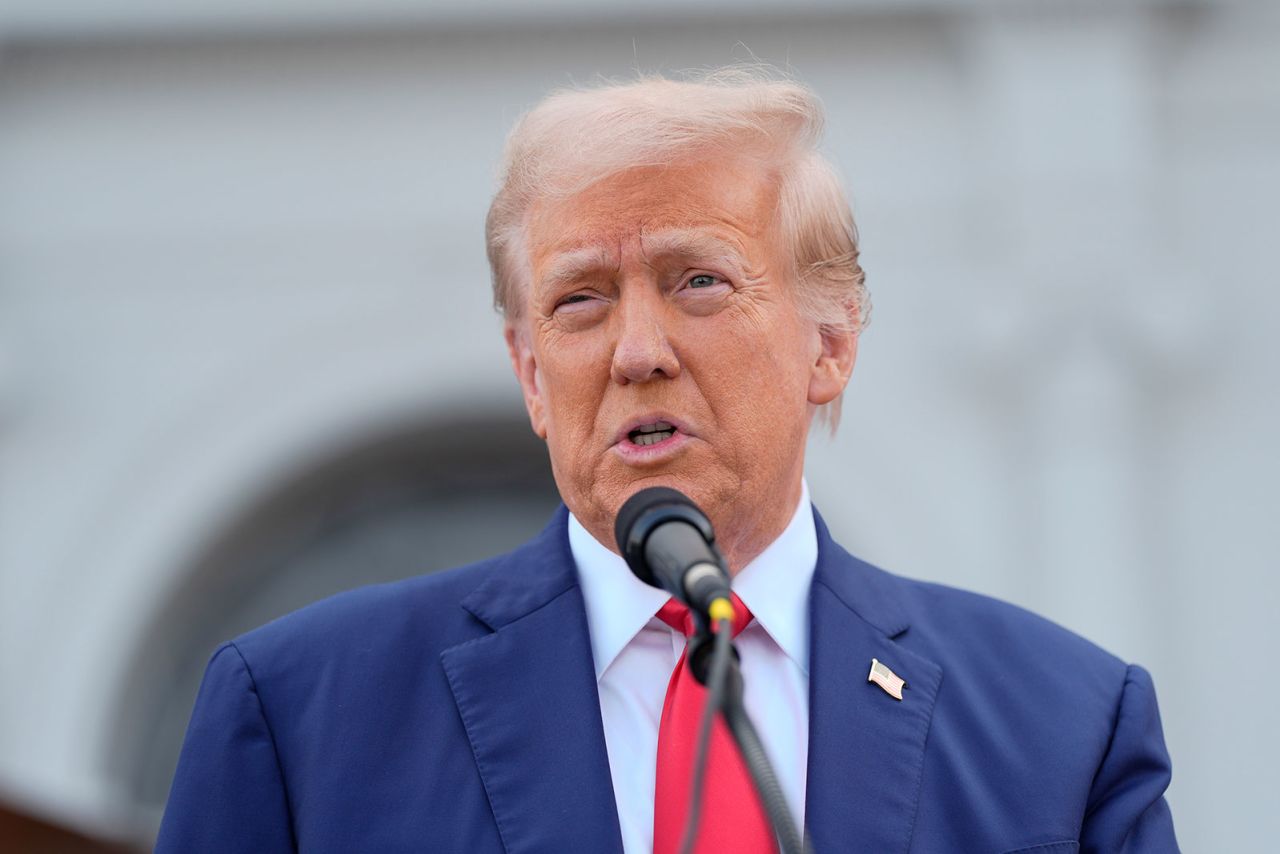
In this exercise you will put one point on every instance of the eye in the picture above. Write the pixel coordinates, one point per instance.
(576, 299)
(580, 307)
(703, 280)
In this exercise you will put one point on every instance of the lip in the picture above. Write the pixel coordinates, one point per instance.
(640, 454)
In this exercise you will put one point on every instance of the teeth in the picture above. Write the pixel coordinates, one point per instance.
(655, 427)
(653, 438)
(652, 434)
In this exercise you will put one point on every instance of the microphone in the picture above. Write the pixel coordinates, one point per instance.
(668, 543)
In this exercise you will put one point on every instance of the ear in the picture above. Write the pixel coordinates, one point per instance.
(525, 365)
(831, 371)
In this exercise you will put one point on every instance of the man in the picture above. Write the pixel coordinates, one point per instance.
(678, 271)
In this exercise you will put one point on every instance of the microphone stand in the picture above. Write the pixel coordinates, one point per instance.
(713, 659)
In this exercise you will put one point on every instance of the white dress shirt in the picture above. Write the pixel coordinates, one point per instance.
(635, 653)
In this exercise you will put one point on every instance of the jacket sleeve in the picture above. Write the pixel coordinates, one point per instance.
(1127, 812)
(228, 793)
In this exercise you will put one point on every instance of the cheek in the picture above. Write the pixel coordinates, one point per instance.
(763, 392)
(767, 358)
(571, 387)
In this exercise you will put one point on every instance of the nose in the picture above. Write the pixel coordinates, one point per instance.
(643, 351)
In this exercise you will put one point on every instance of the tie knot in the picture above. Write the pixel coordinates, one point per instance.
(678, 616)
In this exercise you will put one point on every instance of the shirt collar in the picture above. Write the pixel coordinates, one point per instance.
(775, 586)
(618, 603)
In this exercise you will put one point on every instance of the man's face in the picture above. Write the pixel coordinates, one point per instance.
(660, 344)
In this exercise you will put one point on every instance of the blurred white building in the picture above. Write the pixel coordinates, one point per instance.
(247, 356)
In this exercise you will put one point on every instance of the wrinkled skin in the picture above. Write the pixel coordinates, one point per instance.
(666, 292)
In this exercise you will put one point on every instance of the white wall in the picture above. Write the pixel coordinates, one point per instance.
(221, 254)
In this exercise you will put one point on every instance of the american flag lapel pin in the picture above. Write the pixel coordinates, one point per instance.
(888, 680)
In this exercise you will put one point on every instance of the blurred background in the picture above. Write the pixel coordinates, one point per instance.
(247, 357)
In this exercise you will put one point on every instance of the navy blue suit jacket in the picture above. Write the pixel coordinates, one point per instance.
(457, 712)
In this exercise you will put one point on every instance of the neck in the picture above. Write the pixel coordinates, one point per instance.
(744, 536)
(741, 533)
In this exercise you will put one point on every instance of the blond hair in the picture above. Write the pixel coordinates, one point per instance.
(576, 137)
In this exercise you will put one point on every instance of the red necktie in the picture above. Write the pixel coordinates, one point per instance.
(733, 820)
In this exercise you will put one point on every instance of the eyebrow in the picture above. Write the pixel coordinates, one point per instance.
(574, 264)
(684, 243)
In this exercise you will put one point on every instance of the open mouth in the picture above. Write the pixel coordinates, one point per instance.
(651, 434)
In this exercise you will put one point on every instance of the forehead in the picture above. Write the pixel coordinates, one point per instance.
(694, 207)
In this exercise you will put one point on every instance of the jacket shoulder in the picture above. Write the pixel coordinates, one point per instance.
(955, 626)
(1040, 709)
(397, 624)
(1008, 670)
(998, 632)
(993, 654)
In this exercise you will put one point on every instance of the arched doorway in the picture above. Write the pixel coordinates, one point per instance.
(413, 500)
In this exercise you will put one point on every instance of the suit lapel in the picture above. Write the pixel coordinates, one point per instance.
(527, 697)
(866, 749)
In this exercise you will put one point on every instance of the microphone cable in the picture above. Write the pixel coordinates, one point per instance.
(724, 695)
(757, 762)
(721, 652)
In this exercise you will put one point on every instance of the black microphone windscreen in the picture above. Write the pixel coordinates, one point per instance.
(630, 537)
